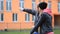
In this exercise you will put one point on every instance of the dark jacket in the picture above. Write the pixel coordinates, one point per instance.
(44, 21)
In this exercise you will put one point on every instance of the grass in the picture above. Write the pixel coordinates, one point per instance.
(56, 31)
(15, 32)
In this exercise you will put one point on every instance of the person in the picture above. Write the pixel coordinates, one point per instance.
(43, 19)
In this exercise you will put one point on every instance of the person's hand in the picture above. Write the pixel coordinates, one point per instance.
(21, 9)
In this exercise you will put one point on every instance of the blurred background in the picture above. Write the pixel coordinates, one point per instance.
(15, 21)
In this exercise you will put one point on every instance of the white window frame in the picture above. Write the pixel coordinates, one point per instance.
(49, 4)
(15, 17)
(33, 5)
(58, 6)
(1, 17)
(27, 17)
(9, 8)
(2, 6)
(21, 4)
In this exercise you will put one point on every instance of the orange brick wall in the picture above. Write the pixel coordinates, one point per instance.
(21, 23)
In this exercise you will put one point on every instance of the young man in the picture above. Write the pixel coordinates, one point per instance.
(43, 19)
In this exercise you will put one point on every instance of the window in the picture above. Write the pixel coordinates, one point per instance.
(49, 4)
(59, 6)
(33, 4)
(14, 17)
(1, 5)
(21, 3)
(8, 5)
(33, 18)
(27, 17)
(1, 17)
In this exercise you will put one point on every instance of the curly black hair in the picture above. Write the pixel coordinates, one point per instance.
(42, 5)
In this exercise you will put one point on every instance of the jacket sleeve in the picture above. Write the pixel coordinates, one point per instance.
(38, 24)
(33, 12)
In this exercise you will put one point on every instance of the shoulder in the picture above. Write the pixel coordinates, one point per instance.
(45, 15)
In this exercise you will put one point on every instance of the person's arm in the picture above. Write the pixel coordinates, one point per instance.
(38, 24)
(30, 11)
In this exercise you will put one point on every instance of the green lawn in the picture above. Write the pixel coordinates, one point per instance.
(57, 31)
(16, 32)
(27, 32)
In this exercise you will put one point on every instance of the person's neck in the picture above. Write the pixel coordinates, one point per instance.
(40, 11)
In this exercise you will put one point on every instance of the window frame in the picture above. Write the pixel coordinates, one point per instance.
(14, 17)
(49, 4)
(9, 5)
(58, 6)
(1, 14)
(27, 17)
(33, 5)
(21, 4)
(1, 5)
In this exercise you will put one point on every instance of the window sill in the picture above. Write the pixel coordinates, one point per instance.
(33, 21)
(1, 10)
(15, 21)
(27, 21)
(1, 21)
(8, 10)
